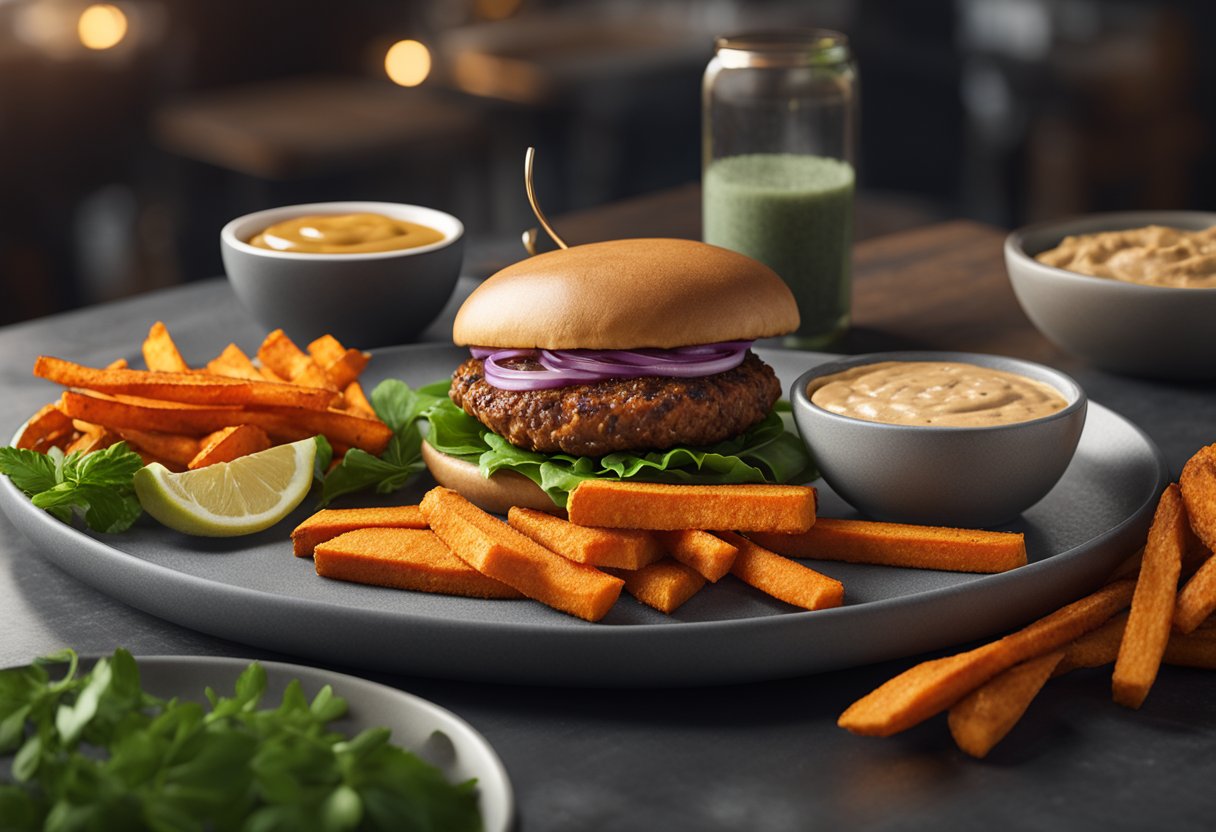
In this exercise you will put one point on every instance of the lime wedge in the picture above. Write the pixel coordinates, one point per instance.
(229, 498)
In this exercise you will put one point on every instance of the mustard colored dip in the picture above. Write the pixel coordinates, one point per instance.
(936, 393)
(345, 234)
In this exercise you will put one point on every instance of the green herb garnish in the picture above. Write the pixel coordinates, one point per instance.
(95, 751)
(96, 485)
(401, 408)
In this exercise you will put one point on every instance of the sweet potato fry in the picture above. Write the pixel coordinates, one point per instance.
(498, 551)
(1096, 648)
(982, 719)
(234, 363)
(228, 444)
(413, 559)
(622, 548)
(1197, 598)
(899, 544)
(169, 449)
(280, 354)
(1198, 485)
(1196, 649)
(710, 556)
(192, 388)
(781, 577)
(338, 426)
(342, 366)
(331, 522)
(326, 350)
(646, 505)
(356, 400)
(91, 438)
(1148, 625)
(160, 353)
(930, 687)
(664, 585)
(49, 426)
(150, 414)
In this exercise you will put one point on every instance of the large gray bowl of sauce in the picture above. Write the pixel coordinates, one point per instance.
(1133, 328)
(969, 475)
(364, 298)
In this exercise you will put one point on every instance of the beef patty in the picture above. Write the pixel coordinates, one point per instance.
(636, 414)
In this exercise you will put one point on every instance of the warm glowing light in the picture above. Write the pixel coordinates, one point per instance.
(407, 63)
(496, 9)
(102, 26)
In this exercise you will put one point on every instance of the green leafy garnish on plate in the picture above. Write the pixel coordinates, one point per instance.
(401, 408)
(95, 485)
(95, 751)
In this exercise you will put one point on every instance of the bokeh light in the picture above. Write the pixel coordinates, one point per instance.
(407, 63)
(102, 26)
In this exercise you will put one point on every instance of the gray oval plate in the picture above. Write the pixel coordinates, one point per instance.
(433, 733)
(253, 590)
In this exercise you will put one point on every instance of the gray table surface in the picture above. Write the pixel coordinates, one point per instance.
(750, 757)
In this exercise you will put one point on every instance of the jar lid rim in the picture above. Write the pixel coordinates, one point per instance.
(788, 46)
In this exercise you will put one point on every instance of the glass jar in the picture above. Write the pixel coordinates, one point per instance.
(779, 132)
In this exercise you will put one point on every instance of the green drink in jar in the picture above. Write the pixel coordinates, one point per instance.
(794, 213)
(778, 178)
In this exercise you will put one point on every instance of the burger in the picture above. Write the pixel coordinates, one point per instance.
(620, 359)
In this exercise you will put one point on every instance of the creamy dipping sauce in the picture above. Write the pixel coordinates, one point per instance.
(345, 234)
(1154, 255)
(938, 393)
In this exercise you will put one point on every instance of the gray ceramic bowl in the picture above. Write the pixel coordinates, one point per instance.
(363, 300)
(952, 476)
(1153, 331)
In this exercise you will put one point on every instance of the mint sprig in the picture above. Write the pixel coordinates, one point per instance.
(95, 485)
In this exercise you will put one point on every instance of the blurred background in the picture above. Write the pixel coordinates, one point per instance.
(131, 131)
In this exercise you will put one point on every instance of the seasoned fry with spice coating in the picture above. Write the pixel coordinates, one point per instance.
(712, 557)
(49, 426)
(622, 548)
(1198, 485)
(280, 354)
(331, 522)
(930, 687)
(228, 444)
(160, 353)
(982, 719)
(413, 559)
(234, 363)
(781, 577)
(901, 544)
(1148, 624)
(498, 551)
(648, 505)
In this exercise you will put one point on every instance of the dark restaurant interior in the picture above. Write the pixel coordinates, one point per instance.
(131, 132)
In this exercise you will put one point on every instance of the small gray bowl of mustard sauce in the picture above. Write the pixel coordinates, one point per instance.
(943, 438)
(369, 273)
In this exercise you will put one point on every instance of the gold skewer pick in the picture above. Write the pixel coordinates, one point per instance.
(530, 235)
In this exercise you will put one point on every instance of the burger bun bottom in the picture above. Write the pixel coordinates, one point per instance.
(496, 494)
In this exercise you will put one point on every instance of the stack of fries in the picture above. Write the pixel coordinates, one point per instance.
(649, 539)
(186, 418)
(988, 689)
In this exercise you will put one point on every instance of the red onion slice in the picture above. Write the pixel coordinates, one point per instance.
(562, 368)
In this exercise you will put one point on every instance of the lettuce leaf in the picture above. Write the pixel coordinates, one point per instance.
(771, 451)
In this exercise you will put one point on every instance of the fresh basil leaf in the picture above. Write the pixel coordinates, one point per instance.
(323, 459)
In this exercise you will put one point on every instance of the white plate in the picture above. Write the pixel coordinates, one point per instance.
(436, 735)
(253, 590)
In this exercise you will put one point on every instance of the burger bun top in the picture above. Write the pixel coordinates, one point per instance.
(627, 294)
